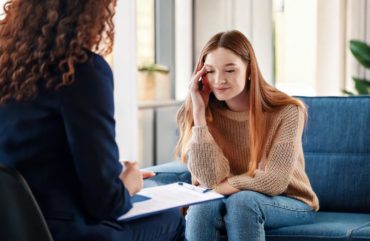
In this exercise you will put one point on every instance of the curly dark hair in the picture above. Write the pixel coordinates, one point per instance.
(43, 40)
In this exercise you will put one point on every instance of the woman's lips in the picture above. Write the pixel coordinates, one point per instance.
(222, 89)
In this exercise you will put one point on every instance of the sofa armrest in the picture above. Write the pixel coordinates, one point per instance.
(168, 173)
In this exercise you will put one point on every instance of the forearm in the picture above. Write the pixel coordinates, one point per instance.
(275, 179)
(267, 184)
(207, 162)
(282, 158)
(199, 117)
(206, 165)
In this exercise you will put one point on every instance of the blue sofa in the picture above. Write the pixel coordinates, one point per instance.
(336, 144)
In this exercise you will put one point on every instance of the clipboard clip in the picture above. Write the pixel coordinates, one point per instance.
(194, 188)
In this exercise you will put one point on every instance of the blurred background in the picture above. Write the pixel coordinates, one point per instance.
(303, 48)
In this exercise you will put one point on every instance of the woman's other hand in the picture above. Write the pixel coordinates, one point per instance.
(225, 188)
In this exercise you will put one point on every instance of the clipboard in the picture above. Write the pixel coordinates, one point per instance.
(160, 198)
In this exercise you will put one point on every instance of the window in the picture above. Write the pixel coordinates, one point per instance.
(295, 46)
(145, 32)
(310, 46)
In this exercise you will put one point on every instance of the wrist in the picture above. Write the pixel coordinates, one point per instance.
(130, 191)
(200, 122)
(199, 118)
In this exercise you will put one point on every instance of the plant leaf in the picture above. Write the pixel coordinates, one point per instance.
(347, 92)
(361, 51)
(362, 86)
(151, 68)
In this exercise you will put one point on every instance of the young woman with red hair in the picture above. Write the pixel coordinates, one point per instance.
(242, 137)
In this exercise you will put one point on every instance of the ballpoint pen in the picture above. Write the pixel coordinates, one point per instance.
(207, 190)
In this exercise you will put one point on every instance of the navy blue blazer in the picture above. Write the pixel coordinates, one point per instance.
(63, 143)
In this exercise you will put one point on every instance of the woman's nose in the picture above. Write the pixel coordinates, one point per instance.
(219, 79)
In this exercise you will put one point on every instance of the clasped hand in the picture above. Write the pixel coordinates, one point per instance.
(132, 177)
(225, 188)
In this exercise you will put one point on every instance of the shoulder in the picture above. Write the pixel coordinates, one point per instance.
(95, 65)
(91, 76)
(291, 113)
(291, 110)
(92, 85)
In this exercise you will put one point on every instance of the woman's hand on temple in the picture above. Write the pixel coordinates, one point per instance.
(199, 97)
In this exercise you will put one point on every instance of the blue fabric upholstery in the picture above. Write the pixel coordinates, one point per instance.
(336, 144)
(167, 173)
(362, 234)
(327, 226)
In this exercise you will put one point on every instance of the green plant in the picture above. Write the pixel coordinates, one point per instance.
(151, 68)
(361, 51)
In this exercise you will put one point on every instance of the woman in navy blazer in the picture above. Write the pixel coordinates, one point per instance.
(56, 121)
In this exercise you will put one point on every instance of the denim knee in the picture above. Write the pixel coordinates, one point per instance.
(209, 212)
(203, 220)
(245, 201)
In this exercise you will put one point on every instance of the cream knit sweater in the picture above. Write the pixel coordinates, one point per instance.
(220, 150)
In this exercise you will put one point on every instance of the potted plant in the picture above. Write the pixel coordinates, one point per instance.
(361, 51)
(154, 82)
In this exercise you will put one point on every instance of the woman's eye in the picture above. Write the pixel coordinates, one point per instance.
(230, 71)
(210, 71)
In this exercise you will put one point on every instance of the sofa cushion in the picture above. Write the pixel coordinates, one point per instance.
(362, 234)
(168, 173)
(336, 144)
(327, 226)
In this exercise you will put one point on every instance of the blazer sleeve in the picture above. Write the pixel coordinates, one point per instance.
(87, 108)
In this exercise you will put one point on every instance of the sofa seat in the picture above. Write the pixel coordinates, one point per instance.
(362, 234)
(327, 226)
(330, 226)
(170, 172)
(336, 145)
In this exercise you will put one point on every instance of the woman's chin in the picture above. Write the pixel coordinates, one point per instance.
(222, 97)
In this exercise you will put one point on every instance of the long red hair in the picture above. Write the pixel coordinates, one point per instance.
(262, 97)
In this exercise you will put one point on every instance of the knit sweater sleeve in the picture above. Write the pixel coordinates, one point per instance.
(207, 163)
(281, 159)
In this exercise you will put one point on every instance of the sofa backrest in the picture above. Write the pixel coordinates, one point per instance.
(336, 144)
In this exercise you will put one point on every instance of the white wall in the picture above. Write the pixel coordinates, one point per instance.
(183, 46)
(2, 2)
(125, 80)
(210, 18)
(299, 48)
(262, 36)
(251, 17)
(331, 47)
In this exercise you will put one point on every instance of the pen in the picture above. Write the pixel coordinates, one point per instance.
(207, 190)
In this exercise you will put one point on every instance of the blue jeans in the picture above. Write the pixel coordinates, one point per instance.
(244, 216)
